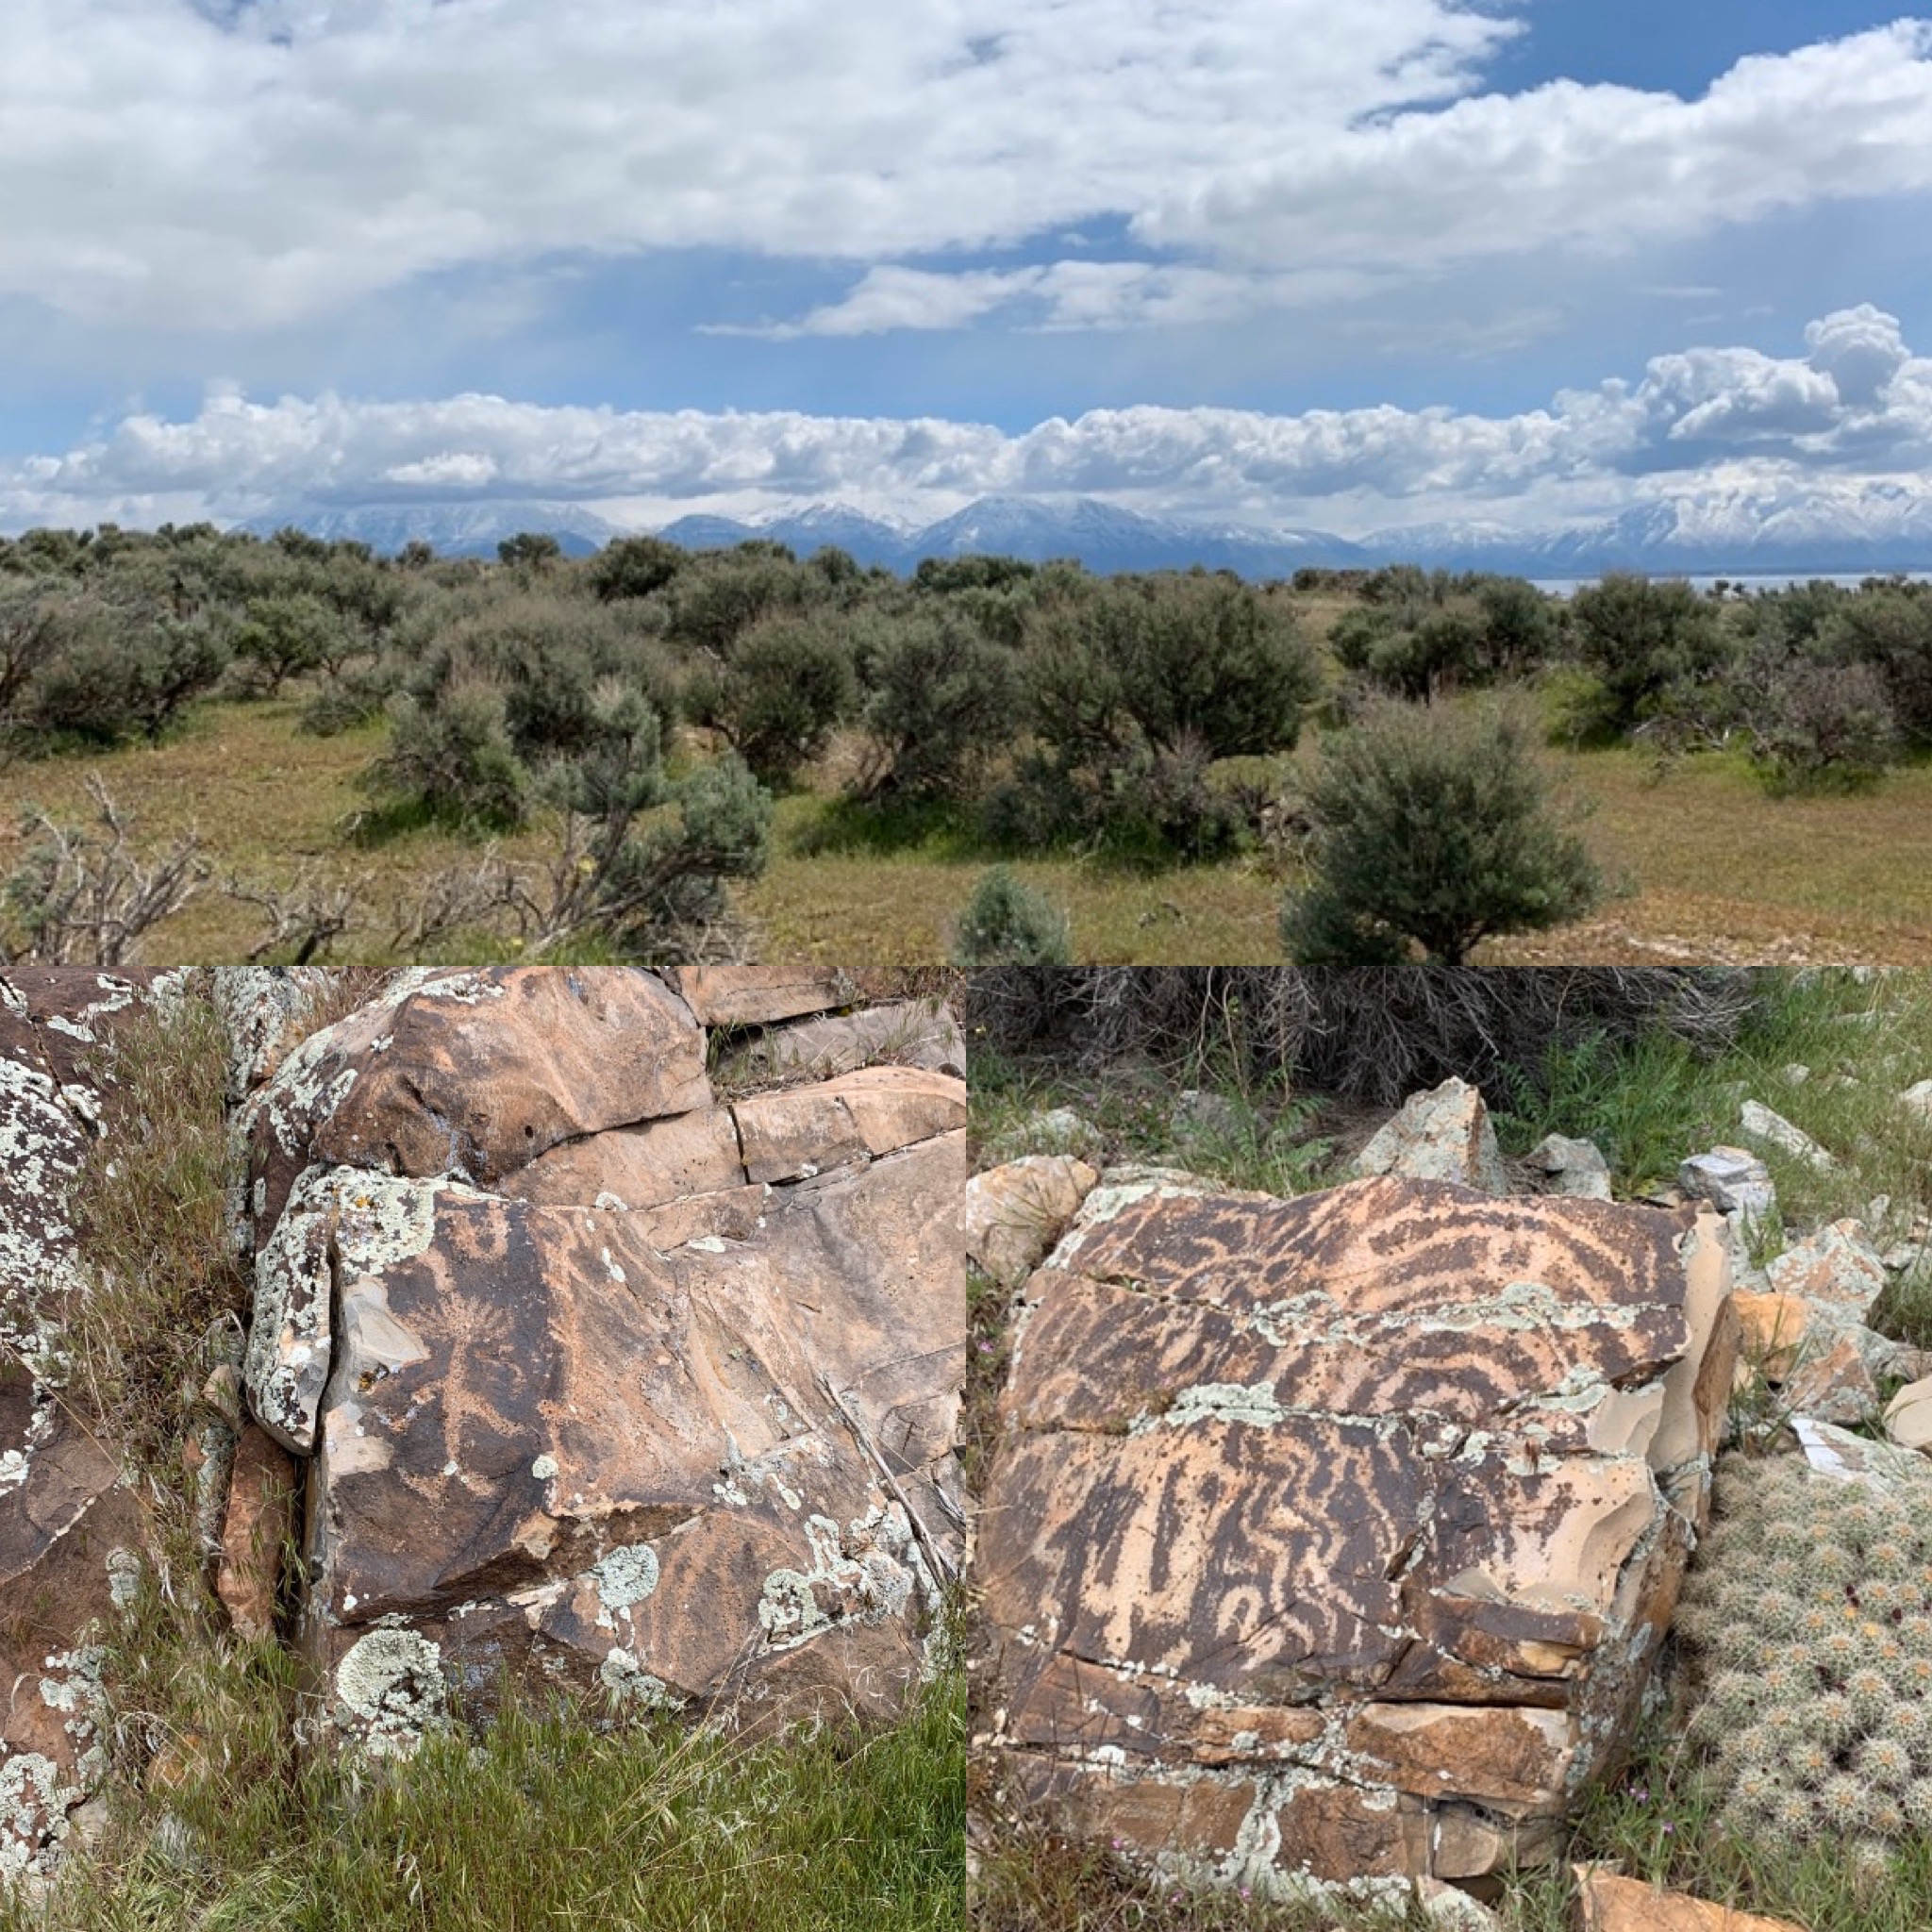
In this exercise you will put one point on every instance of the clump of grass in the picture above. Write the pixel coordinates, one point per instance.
(149, 1211)
(1650, 1103)
(555, 1818)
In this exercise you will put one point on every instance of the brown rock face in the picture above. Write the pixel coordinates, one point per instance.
(68, 1530)
(666, 1407)
(472, 1074)
(1350, 1521)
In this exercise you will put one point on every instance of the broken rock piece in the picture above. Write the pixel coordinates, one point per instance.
(1443, 1135)
(1331, 1538)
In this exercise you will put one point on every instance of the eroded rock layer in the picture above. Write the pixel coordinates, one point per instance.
(1333, 1537)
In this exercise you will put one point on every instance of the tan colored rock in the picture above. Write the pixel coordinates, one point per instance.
(1836, 1264)
(694, 1453)
(259, 1519)
(474, 1074)
(1606, 1902)
(803, 1130)
(1366, 1509)
(1017, 1211)
(1773, 1330)
(1443, 1135)
(644, 1166)
(756, 995)
(1908, 1415)
(1833, 1385)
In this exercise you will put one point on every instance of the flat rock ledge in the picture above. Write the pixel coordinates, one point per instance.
(1330, 1542)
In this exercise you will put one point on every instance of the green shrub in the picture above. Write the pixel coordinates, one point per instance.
(634, 567)
(1434, 825)
(1173, 659)
(116, 672)
(284, 637)
(454, 759)
(1007, 922)
(1816, 726)
(778, 696)
(942, 702)
(1648, 645)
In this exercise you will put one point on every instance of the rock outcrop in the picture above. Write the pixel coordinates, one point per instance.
(595, 1377)
(69, 1527)
(1331, 1539)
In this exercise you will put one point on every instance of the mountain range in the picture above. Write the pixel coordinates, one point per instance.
(1877, 530)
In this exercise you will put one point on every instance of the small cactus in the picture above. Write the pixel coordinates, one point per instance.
(1809, 1615)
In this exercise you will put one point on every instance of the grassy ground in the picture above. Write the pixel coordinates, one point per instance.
(1720, 869)
(1647, 1106)
(558, 1818)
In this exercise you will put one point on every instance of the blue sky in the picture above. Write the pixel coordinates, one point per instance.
(1529, 261)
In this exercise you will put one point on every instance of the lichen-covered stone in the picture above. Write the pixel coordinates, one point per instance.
(68, 1527)
(547, 1440)
(1332, 1537)
(1443, 1135)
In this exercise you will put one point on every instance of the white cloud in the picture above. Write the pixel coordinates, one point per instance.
(209, 167)
(1728, 418)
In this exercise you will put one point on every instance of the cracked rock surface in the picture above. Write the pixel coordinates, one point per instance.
(597, 1378)
(1333, 1539)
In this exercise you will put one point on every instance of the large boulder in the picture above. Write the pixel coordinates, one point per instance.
(595, 1380)
(1330, 1541)
(68, 1527)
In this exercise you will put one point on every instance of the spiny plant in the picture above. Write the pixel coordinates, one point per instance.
(1809, 1614)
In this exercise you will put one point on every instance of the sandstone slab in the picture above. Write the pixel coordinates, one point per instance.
(548, 1443)
(756, 995)
(1015, 1212)
(1443, 1135)
(474, 1074)
(1334, 1536)
(1606, 1902)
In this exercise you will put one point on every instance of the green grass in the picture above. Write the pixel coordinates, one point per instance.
(557, 1816)
(1721, 871)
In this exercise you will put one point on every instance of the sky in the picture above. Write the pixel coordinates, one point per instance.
(1272, 262)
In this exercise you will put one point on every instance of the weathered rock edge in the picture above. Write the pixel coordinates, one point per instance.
(1330, 1541)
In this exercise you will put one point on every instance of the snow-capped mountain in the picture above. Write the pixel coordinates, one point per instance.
(1829, 529)
(451, 529)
